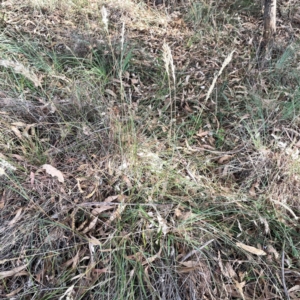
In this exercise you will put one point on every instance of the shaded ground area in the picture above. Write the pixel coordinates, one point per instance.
(144, 154)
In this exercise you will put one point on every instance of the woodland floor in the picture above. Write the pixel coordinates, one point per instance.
(145, 153)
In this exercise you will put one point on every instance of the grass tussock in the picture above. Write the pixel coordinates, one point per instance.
(143, 153)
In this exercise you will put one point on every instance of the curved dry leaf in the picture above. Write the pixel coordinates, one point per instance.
(91, 225)
(54, 172)
(17, 132)
(110, 92)
(16, 218)
(251, 249)
(224, 158)
(94, 241)
(152, 258)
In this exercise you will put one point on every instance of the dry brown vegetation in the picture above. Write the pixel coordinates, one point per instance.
(144, 154)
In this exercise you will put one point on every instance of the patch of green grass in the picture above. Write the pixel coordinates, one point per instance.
(199, 12)
(291, 107)
(246, 6)
(208, 13)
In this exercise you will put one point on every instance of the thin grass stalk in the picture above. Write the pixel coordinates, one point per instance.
(170, 70)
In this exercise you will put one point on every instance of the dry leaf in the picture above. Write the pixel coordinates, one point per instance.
(209, 147)
(91, 225)
(152, 258)
(162, 225)
(2, 171)
(111, 198)
(190, 266)
(202, 133)
(252, 192)
(2, 202)
(127, 181)
(178, 213)
(272, 250)
(97, 272)
(16, 131)
(54, 172)
(12, 272)
(19, 124)
(230, 270)
(231, 291)
(239, 286)
(94, 241)
(15, 292)
(98, 210)
(190, 263)
(86, 130)
(224, 158)
(31, 178)
(19, 157)
(294, 288)
(110, 92)
(117, 213)
(251, 249)
(73, 261)
(16, 218)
